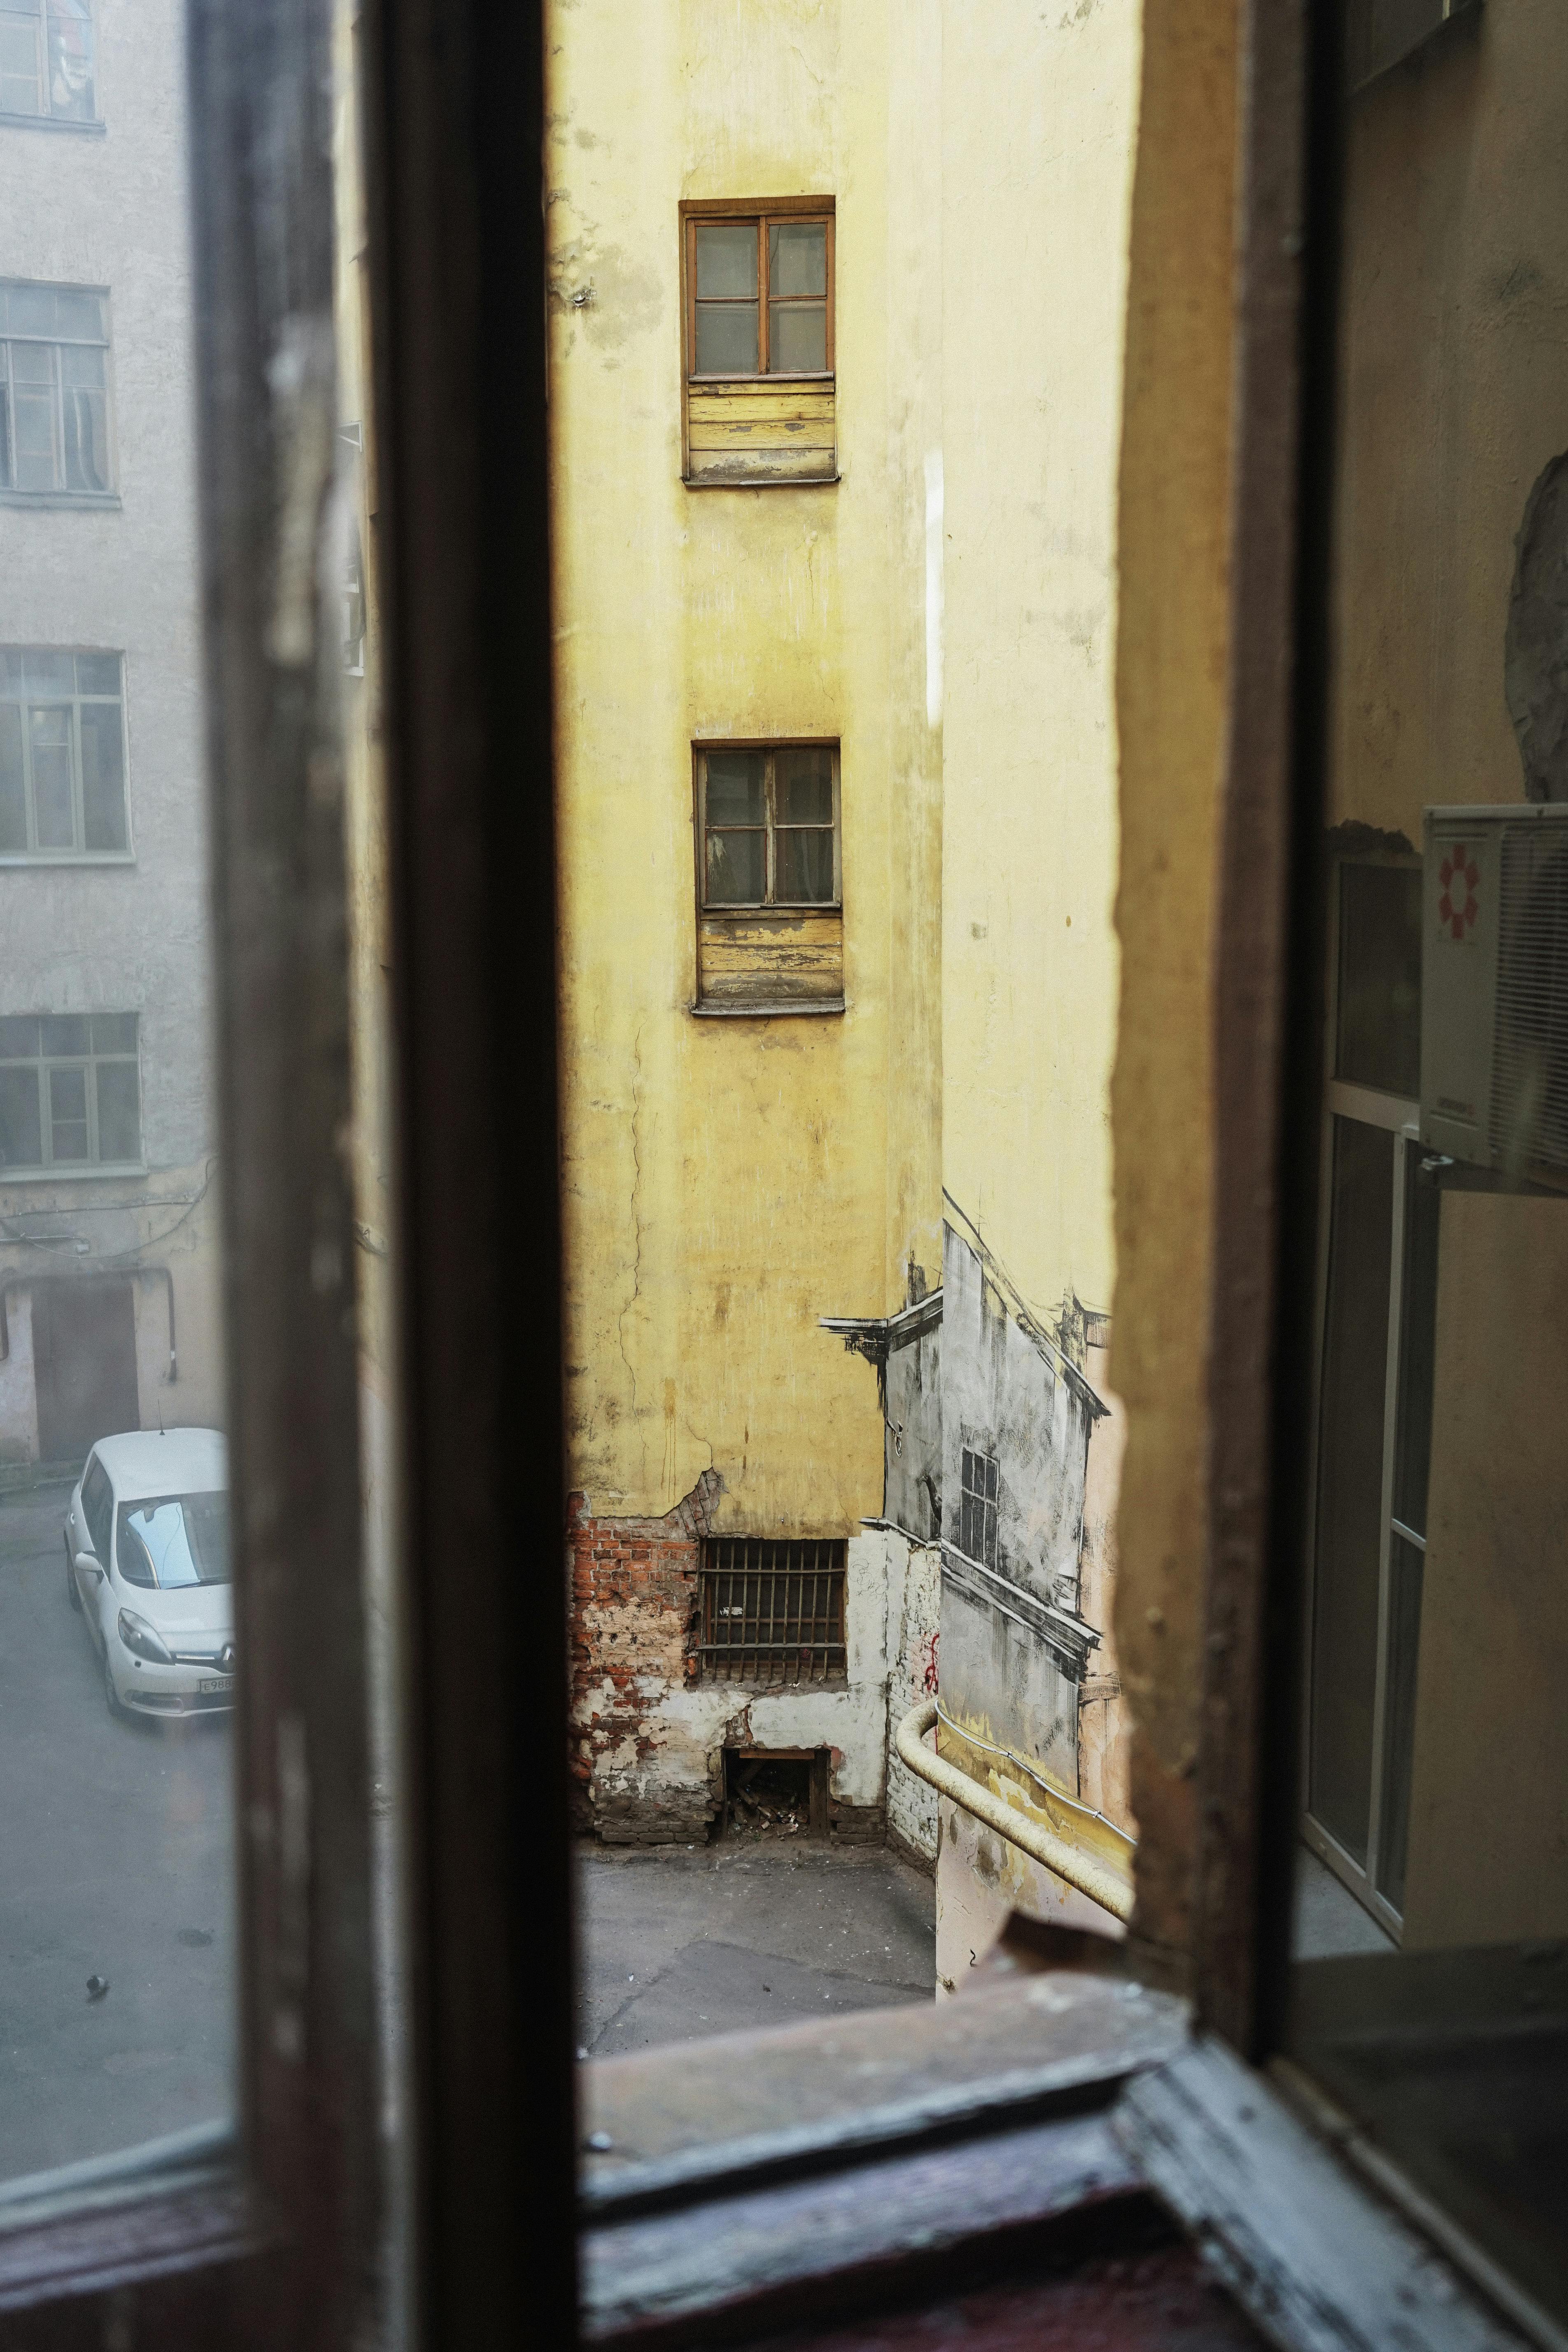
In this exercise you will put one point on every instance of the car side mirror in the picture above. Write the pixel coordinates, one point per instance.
(84, 1559)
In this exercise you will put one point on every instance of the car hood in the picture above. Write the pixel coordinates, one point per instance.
(184, 1608)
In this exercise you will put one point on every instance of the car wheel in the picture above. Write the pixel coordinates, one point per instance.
(116, 1705)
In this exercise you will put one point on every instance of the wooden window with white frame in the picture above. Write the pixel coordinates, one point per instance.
(769, 878)
(759, 365)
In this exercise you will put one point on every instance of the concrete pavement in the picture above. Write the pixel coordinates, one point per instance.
(116, 1860)
(677, 1942)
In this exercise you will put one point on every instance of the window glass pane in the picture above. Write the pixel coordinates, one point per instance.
(1350, 1483)
(13, 790)
(736, 787)
(79, 316)
(20, 88)
(102, 777)
(1378, 1039)
(804, 865)
(805, 784)
(98, 673)
(66, 1033)
(18, 1036)
(71, 61)
(736, 868)
(726, 338)
(33, 420)
(1417, 1347)
(113, 1033)
(798, 338)
(50, 730)
(31, 310)
(118, 1112)
(726, 258)
(86, 415)
(48, 673)
(68, 1114)
(797, 257)
(21, 1132)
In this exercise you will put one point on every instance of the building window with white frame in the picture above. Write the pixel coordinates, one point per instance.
(70, 1094)
(62, 754)
(47, 61)
(54, 391)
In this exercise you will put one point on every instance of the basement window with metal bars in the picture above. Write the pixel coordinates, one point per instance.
(773, 1612)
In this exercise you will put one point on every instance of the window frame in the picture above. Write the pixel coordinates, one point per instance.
(60, 494)
(764, 212)
(82, 855)
(49, 1169)
(747, 909)
(45, 118)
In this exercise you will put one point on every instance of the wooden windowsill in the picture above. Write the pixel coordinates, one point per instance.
(764, 482)
(778, 1010)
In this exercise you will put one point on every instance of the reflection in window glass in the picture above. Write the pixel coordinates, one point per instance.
(117, 1668)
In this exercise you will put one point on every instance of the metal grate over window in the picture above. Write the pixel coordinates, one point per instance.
(771, 1611)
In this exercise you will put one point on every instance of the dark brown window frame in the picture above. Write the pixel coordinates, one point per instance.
(717, 910)
(274, 2248)
(762, 212)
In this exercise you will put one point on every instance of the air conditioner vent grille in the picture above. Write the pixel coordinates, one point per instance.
(1529, 1061)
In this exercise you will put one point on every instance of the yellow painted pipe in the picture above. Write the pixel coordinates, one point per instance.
(1090, 1876)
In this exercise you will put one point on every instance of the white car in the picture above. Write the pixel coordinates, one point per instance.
(147, 1560)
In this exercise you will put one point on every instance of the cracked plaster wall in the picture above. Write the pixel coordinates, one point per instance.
(727, 1181)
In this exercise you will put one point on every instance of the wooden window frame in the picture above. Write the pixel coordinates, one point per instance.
(718, 911)
(79, 854)
(45, 116)
(49, 1169)
(764, 213)
(1021, 2158)
(58, 493)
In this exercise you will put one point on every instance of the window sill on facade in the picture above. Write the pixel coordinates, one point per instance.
(779, 1009)
(107, 502)
(9, 122)
(746, 432)
(114, 1170)
(20, 857)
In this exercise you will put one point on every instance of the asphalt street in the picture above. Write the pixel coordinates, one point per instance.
(116, 1861)
(677, 1942)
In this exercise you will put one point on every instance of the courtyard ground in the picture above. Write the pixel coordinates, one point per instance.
(677, 1943)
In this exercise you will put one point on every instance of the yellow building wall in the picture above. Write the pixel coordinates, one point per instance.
(1454, 396)
(1039, 110)
(727, 1182)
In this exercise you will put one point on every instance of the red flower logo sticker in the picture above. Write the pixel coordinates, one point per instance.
(1459, 906)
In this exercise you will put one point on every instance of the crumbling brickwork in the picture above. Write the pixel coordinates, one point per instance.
(633, 1617)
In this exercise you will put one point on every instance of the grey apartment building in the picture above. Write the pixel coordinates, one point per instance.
(109, 1261)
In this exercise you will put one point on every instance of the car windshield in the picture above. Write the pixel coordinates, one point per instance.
(171, 1540)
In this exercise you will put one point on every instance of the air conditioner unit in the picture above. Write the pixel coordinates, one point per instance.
(1494, 990)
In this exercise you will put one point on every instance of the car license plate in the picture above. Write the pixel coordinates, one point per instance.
(216, 1682)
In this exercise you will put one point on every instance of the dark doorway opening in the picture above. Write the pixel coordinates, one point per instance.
(775, 1792)
(84, 1365)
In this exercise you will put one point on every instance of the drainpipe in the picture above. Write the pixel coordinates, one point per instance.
(1092, 1877)
(30, 1281)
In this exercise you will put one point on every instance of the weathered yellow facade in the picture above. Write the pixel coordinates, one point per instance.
(944, 610)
